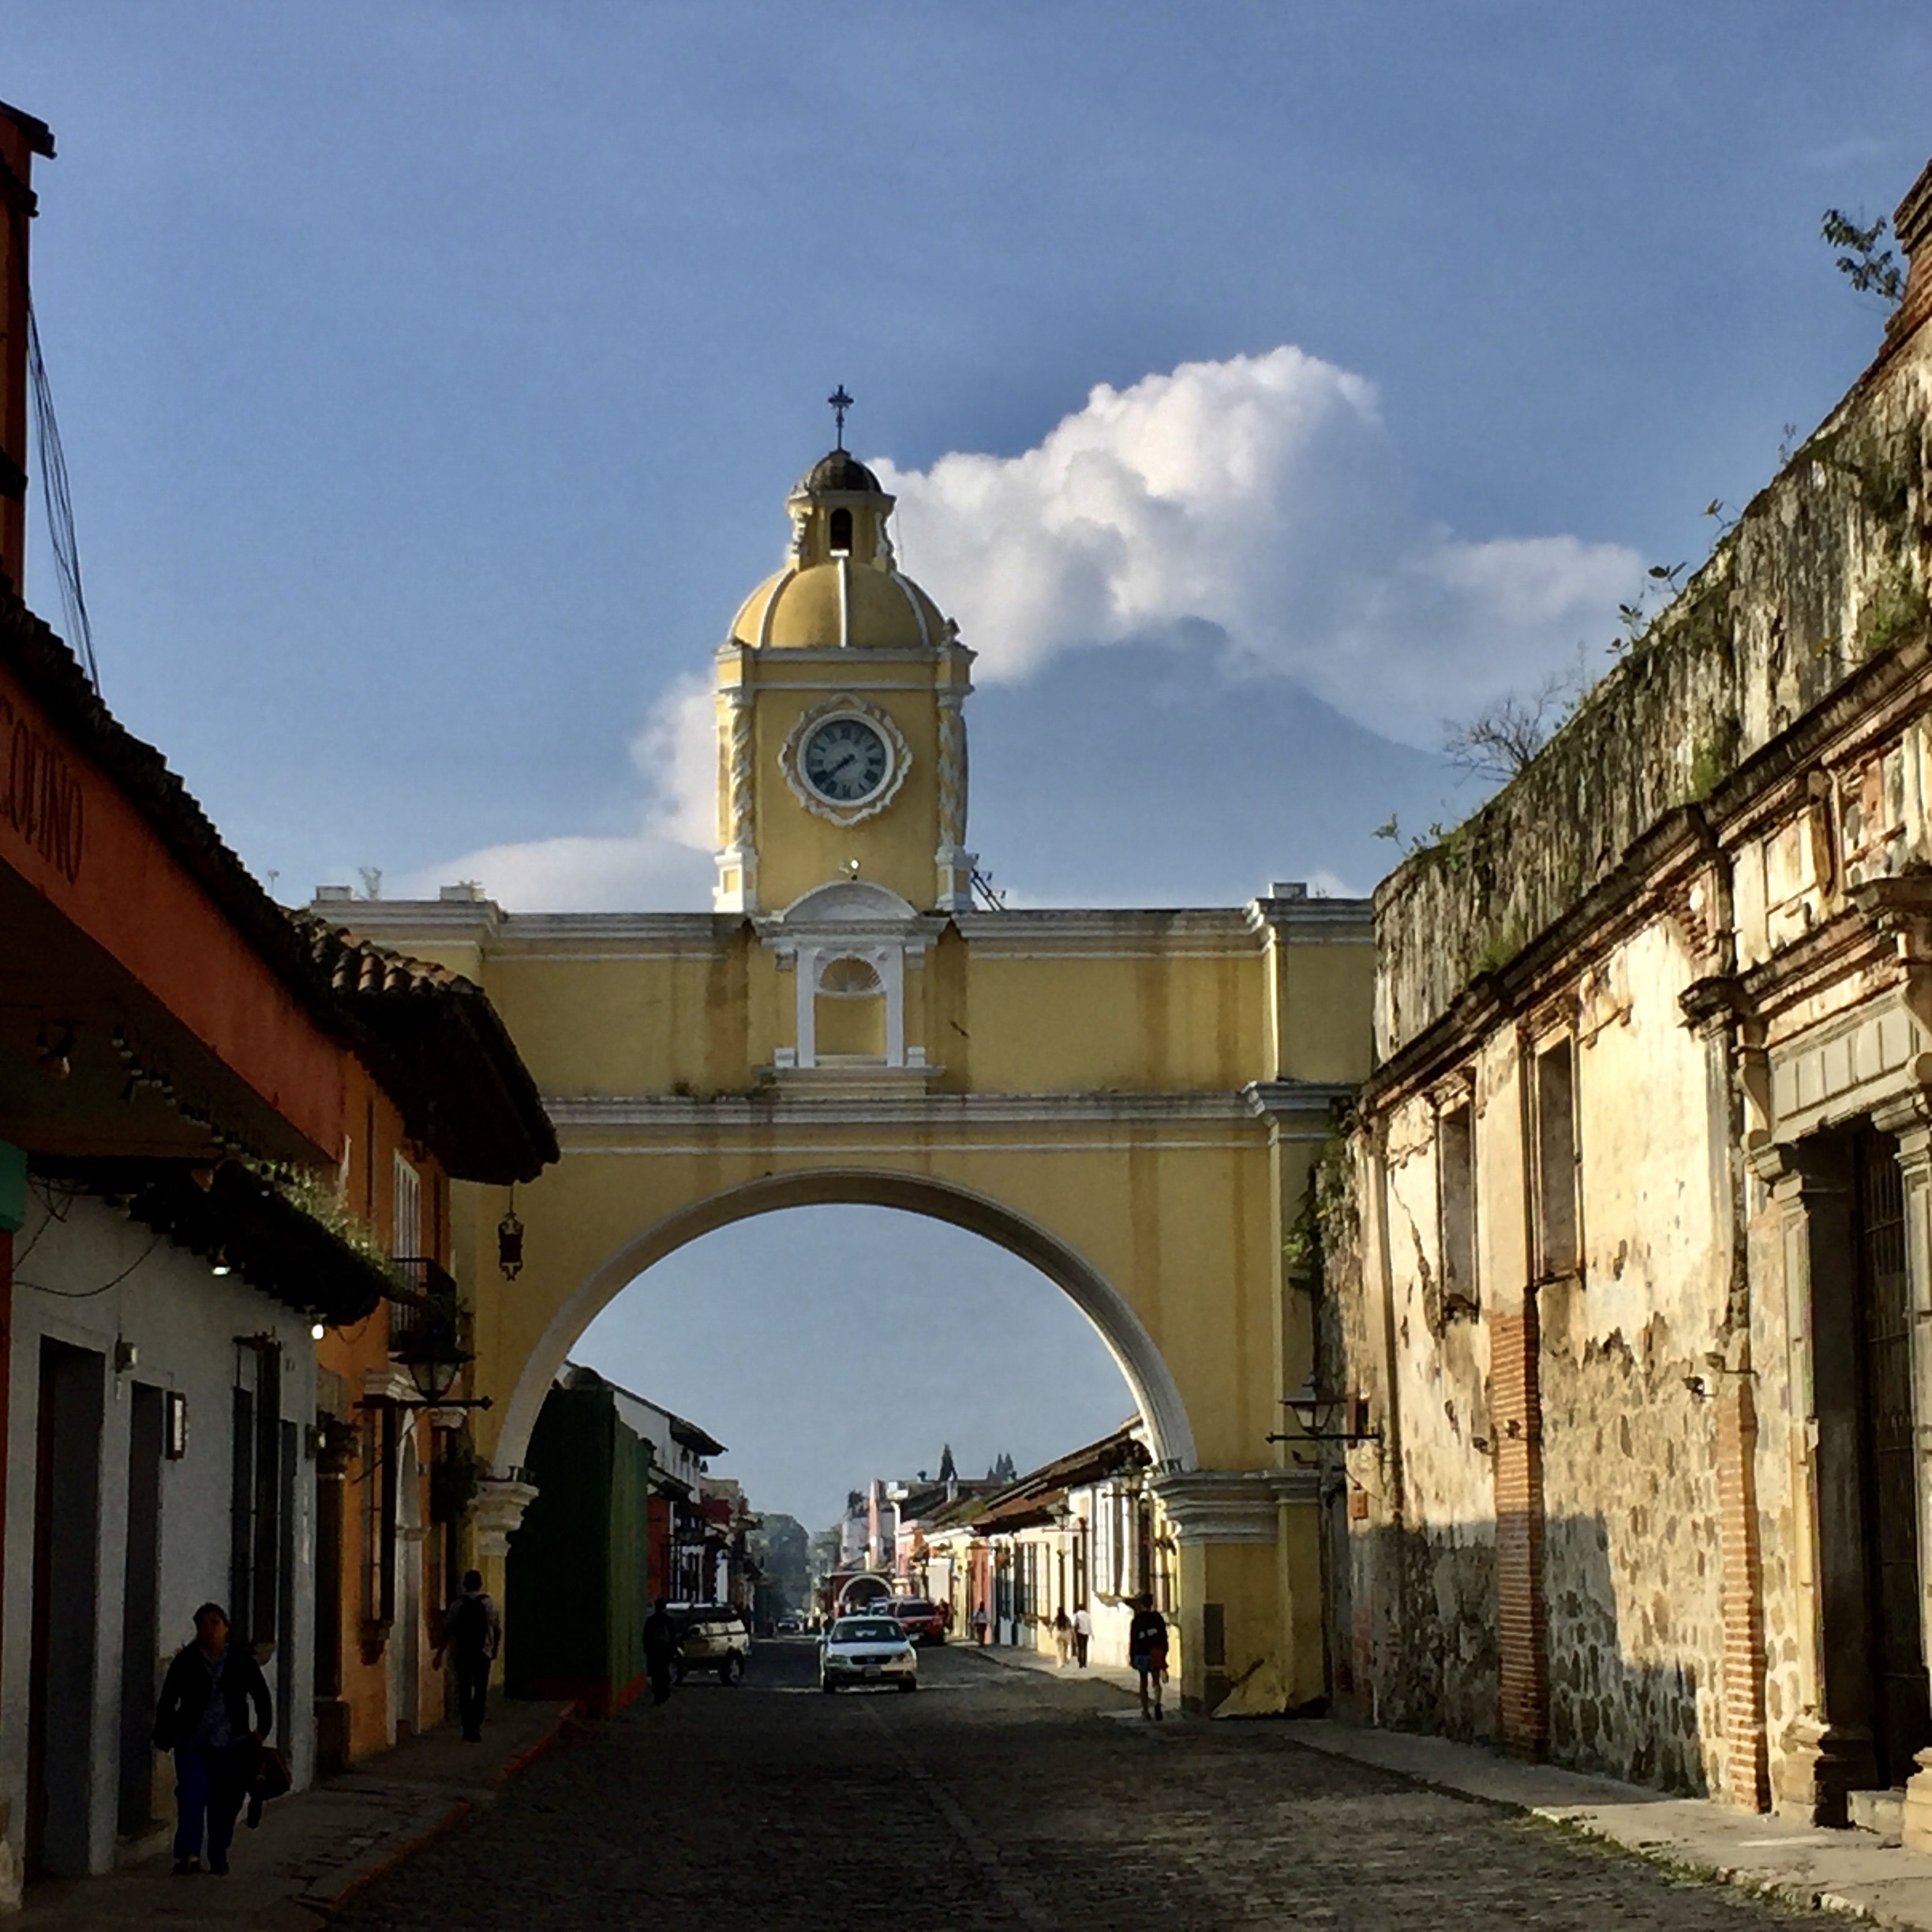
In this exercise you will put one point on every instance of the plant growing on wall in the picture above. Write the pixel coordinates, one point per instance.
(1500, 741)
(1871, 269)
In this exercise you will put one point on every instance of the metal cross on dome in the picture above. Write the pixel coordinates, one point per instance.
(840, 402)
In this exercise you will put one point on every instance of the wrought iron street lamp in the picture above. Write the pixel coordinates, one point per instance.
(431, 1348)
(1329, 1418)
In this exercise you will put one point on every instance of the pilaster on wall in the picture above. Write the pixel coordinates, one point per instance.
(1730, 1059)
(1915, 1159)
(1825, 1749)
(1522, 1621)
(1747, 1770)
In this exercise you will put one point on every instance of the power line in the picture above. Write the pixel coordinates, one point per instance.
(59, 505)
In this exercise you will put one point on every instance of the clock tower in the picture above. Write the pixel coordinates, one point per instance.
(841, 744)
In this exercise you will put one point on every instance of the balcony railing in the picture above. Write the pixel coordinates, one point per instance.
(427, 1320)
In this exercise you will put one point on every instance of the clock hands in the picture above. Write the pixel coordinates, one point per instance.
(846, 760)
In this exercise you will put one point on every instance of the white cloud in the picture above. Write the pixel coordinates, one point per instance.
(1254, 509)
(1258, 503)
(666, 863)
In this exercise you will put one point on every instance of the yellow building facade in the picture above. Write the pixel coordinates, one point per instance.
(1131, 1100)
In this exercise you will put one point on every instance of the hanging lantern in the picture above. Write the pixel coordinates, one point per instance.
(510, 1242)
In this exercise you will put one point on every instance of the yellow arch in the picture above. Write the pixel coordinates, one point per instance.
(1155, 1393)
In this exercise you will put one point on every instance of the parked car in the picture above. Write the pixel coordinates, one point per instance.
(711, 1637)
(867, 1650)
(924, 1622)
(791, 1626)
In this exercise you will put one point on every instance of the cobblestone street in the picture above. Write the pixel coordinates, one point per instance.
(993, 1798)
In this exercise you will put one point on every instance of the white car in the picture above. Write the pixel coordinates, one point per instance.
(711, 1637)
(867, 1650)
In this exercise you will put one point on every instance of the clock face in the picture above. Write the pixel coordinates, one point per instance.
(846, 760)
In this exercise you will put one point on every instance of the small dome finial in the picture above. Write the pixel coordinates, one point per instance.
(840, 402)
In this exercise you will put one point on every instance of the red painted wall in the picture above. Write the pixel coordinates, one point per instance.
(69, 831)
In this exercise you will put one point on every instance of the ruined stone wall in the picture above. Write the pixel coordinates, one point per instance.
(1630, 1573)
(1414, 1626)
(1447, 1548)
(1631, 1563)
(1827, 566)
(1631, 1570)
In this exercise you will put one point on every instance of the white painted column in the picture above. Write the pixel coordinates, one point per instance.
(889, 962)
(808, 965)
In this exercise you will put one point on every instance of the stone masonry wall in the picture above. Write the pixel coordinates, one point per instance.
(1826, 566)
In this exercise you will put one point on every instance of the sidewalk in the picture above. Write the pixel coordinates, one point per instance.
(1015, 1658)
(1847, 1871)
(316, 1847)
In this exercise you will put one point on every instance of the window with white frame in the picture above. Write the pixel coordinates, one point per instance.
(1455, 1197)
(1559, 1228)
(405, 1217)
(1102, 1507)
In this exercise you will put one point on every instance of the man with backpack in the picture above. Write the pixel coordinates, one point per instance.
(471, 1632)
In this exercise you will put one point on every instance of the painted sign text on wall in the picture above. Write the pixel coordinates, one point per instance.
(40, 796)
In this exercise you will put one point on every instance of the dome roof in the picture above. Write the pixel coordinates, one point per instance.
(855, 605)
(842, 588)
(838, 470)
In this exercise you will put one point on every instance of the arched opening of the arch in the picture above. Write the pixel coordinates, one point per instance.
(1150, 1385)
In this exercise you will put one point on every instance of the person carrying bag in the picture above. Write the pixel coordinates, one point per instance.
(212, 1689)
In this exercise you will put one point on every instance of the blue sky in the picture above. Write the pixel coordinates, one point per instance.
(432, 377)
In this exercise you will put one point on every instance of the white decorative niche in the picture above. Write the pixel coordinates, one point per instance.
(848, 945)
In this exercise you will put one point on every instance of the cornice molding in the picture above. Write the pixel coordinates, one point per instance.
(1876, 703)
(778, 1101)
(1237, 932)
(947, 651)
(1232, 1505)
(1088, 933)
(1297, 1100)
(1305, 921)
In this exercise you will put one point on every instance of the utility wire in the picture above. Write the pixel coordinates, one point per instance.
(87, 1294)
(59, 505)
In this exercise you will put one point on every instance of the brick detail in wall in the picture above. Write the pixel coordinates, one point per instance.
(1747, 1765)
(1523, 1627)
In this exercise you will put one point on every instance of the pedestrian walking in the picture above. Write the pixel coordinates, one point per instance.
(982, 1624)
(212, 1689)
(1147, 1651)
(472, 1633)
(1063, 1635)
(660, 1643)
(1083, 1635)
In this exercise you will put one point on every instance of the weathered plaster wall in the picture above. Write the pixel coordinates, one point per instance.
(1631, 1574)
(1630, 1565)
(1412, 1638)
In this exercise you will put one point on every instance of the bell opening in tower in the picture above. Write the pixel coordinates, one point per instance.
(842, 533)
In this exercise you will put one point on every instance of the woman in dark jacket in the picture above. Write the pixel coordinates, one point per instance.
(203, 1718)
